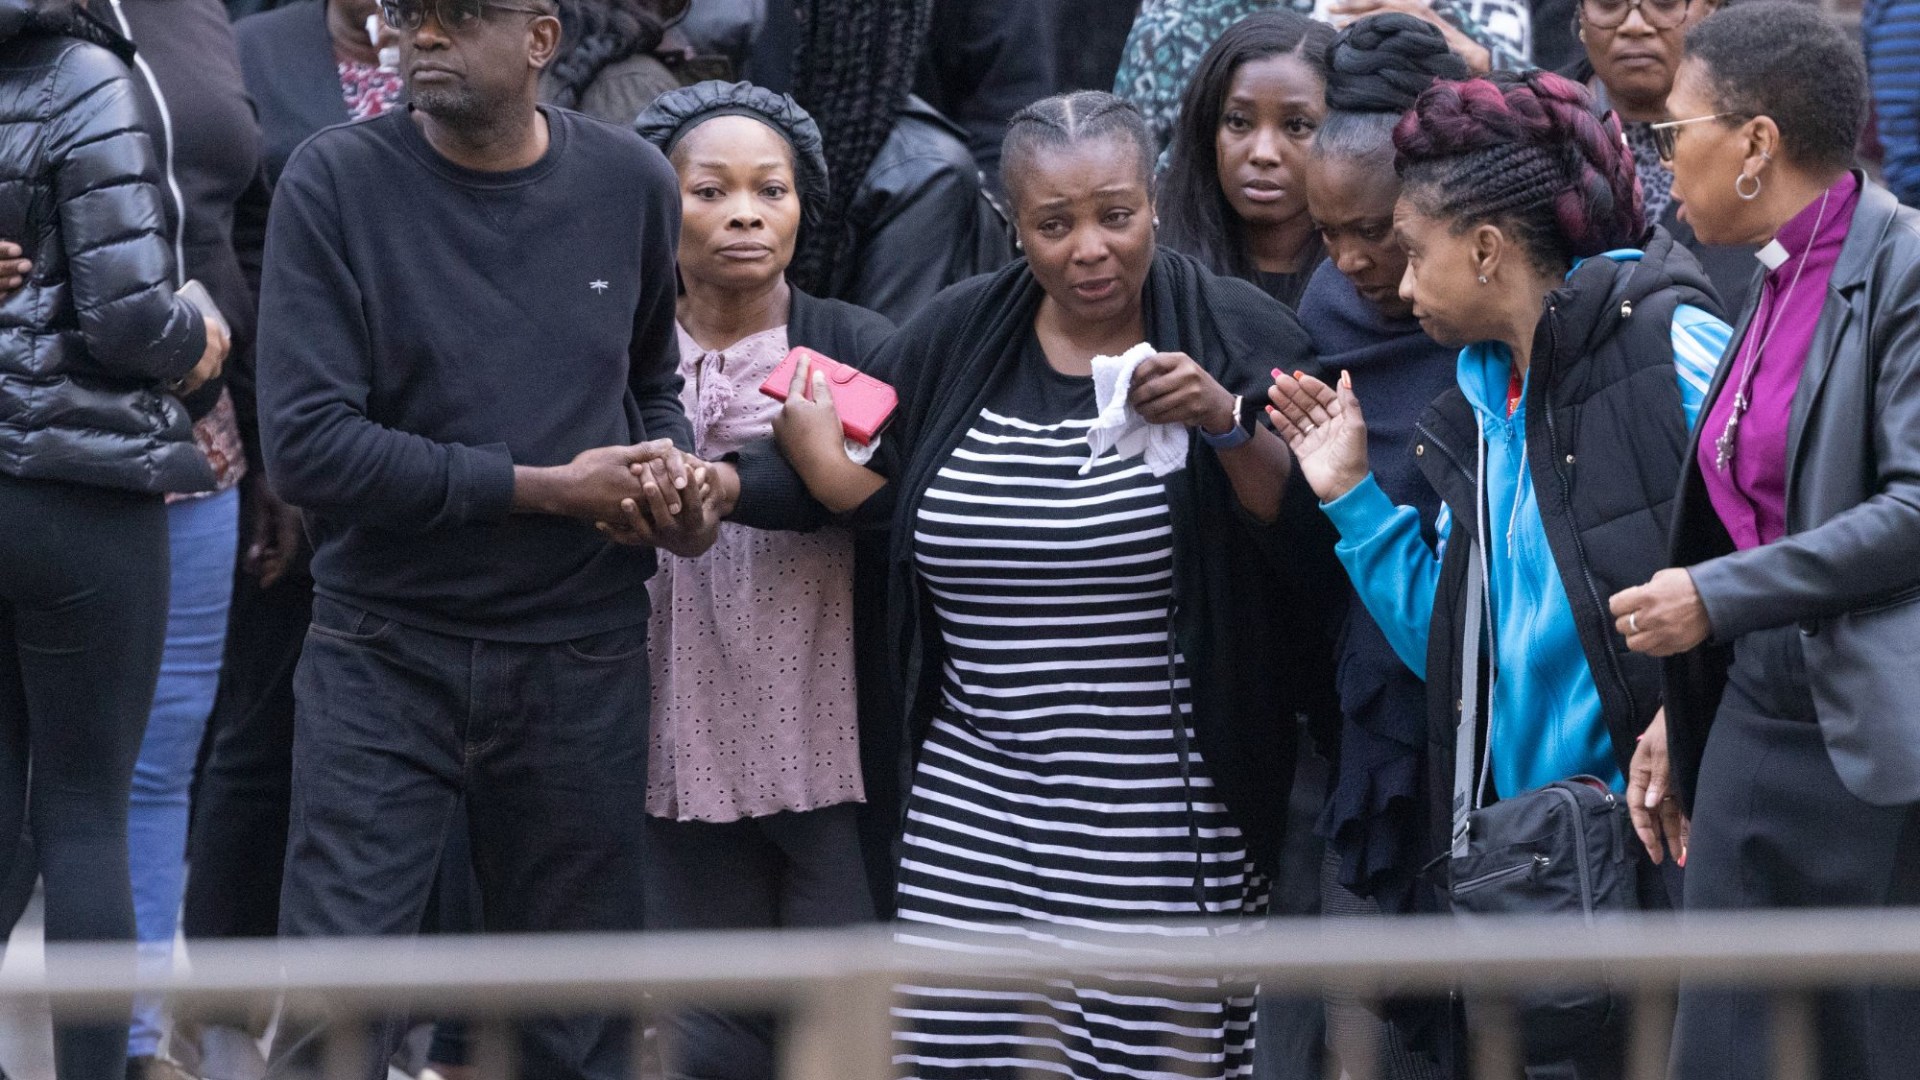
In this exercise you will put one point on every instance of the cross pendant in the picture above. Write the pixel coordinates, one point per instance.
(1723, 446)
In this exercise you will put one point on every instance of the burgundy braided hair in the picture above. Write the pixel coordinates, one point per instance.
(1530, 153)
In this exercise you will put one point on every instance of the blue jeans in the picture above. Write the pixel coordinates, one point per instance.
(537, 751)
(203, 536)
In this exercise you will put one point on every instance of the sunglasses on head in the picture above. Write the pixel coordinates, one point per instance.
(453, 16)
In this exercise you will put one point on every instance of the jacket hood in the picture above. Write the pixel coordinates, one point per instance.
(1602, 292)
(21, 17)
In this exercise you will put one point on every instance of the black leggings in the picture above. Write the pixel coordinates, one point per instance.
(83, 617)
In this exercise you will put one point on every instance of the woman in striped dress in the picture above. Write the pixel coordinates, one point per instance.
(1100, 651)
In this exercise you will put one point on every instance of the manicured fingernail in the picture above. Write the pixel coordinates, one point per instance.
(1276, 373)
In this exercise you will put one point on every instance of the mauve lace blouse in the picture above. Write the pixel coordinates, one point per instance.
(753, 691)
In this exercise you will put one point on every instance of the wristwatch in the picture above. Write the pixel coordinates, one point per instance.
(1237, 435)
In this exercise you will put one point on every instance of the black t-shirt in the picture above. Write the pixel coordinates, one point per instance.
(424, 328)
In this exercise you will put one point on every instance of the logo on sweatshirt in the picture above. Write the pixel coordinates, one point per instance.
(598, 286)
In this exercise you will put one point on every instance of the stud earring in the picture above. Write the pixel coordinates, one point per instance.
(1156, 221)
(1483, 279)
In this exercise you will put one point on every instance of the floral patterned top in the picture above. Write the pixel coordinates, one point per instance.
(369, 89)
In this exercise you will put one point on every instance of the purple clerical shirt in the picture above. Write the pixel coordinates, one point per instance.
(1750, 495)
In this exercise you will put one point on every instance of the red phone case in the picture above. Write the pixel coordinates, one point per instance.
(865, 404)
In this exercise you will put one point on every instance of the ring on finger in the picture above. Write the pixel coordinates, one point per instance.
(1633, 621)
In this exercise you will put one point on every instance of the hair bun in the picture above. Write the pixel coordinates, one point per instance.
(1506, 141)
(1382, 63)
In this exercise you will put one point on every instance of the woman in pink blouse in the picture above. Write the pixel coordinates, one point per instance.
(754, 778)
(1793, 612)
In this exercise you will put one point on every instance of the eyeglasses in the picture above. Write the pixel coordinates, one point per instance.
(1611, 14)
(1667, 131)
(453, 16)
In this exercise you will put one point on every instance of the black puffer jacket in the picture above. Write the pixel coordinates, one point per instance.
(88, 344)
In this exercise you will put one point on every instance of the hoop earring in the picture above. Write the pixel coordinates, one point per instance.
(1745, 195)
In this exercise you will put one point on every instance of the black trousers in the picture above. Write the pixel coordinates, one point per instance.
(784, 870)
(1773, 827)
(545, 746)
(238, 840)
(83, 618)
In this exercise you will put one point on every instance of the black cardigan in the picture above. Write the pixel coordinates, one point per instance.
(1251, 601)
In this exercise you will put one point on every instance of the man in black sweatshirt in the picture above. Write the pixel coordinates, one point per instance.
(466, 359)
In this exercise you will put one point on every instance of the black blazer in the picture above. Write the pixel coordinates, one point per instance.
(1848, 570)
(286, 58)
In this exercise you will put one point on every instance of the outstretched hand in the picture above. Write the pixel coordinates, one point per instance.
(1324, 428)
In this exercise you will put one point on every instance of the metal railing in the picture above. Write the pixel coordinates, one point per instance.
(836, 987)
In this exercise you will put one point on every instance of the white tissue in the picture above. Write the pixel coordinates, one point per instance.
(1120, 429)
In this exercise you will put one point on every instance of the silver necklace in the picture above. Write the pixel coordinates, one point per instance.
(1724, 447)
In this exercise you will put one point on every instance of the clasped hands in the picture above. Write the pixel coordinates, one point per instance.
(649, 494)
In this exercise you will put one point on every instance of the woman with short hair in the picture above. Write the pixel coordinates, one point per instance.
(1790, 613)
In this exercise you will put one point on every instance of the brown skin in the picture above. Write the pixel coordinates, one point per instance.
(739, 220)
(1637, 61)
(1352, 200)
(1711, 156)
(474, 97)
(1084, 214)
(1327, 430)
(1666, 617)
(474, 93)
(1273, 106)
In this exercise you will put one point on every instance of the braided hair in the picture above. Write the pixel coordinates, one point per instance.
(595, 34)
(854, 66)
(1199, 220)
(1530, 153)
(1067, 120)
(1376, 68)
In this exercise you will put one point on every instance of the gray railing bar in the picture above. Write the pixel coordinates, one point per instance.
(1411, 955)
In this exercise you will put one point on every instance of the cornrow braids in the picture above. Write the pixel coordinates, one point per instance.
(1199, 220)
(854, 67)
(595, 34)
(1530, 153)
(1065, 120)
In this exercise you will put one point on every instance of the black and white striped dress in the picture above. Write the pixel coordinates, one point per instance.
(1049, 788)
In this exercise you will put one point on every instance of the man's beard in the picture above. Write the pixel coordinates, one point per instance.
(460, 106)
